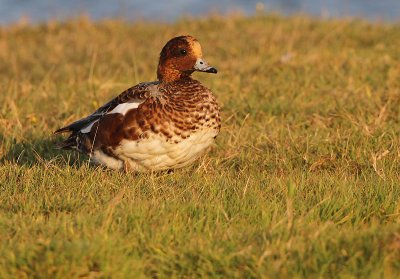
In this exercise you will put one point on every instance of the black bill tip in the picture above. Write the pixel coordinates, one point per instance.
(212, 70)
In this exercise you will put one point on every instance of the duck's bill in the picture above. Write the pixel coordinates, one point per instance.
(202, 66)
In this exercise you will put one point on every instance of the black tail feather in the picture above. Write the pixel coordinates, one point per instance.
(62, 130)
(69, 143)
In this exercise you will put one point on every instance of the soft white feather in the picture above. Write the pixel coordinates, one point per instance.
(100, 158)
(125, 107)
(155, 153)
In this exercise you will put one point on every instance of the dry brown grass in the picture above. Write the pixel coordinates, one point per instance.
(303, 181)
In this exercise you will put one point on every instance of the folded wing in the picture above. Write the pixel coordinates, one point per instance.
(127, 100)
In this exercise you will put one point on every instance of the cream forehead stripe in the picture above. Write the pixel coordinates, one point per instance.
(195, 46)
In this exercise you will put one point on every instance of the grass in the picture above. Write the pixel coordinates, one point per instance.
(303, 181)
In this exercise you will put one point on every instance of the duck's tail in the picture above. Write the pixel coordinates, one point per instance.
(77, 141)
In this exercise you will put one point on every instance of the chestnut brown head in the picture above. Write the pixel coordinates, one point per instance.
(180, 57)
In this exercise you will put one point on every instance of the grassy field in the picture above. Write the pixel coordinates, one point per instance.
(303, 182)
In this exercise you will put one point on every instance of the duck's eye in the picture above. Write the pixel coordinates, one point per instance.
(183, 51)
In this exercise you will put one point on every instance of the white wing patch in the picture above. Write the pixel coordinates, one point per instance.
(125, 107)
(88, 128)
(121, 108)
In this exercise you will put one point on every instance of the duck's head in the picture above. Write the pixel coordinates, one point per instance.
(180, 57)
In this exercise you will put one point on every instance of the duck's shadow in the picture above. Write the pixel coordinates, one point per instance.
(44, 152)
(39, 151)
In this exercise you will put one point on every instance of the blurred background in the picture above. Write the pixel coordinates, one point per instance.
(35, 11)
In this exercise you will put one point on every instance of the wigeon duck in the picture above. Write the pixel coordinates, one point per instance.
(159, 125)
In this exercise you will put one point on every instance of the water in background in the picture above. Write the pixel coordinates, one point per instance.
(169, 10)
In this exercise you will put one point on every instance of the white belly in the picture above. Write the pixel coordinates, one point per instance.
(155, 153)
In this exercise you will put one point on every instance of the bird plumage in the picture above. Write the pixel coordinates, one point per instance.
(157, 125)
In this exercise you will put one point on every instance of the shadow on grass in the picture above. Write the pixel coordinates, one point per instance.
(38, 151)
(44, 152)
